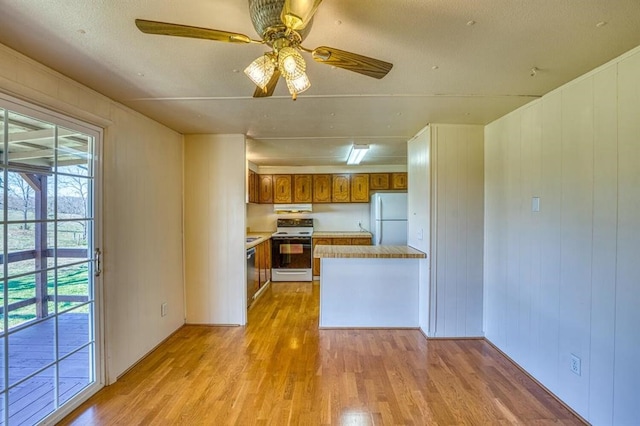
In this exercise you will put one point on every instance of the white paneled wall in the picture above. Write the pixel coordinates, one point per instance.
(214, 227)
(452, 223)
(142, 208)
(419, 220)
(564, 280)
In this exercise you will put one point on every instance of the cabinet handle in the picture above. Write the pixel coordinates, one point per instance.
(360, 187)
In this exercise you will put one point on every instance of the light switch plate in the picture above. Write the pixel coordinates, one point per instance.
(535, 204)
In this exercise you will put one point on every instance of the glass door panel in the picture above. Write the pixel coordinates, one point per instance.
(48, 328)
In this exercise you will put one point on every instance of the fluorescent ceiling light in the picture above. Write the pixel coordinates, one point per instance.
(357, 154)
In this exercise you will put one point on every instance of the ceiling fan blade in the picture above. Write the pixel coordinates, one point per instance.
(351, 61)
(296, 14)
(165, 28)
(271, 86)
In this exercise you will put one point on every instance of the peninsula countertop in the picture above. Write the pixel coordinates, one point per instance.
(368, 252)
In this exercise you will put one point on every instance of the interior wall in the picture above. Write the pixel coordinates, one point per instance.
(214, 226)
(142, 214)
(419, 212)
(563, 280)
(457, 219)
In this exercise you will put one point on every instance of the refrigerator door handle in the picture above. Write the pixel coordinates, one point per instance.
(378, 221)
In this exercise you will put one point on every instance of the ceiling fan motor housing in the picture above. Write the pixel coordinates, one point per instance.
(265, 16)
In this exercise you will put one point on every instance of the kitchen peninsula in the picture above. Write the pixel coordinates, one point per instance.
(368, 286)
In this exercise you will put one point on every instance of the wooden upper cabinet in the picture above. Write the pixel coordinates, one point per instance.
(302, 188)
(252, 189)
(360, 188)
(266, 189)
(282, 189)
(340, 188)
(321, 188)
(398, 180)
(379, 181)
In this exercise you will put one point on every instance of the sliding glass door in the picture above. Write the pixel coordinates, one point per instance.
(49, 264)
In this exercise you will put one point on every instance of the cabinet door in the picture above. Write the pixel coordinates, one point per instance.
(341, 241)
(379, 181)
(340, 189)
(316, 262)
(266, 189)
(321, 188)
(302, 188)
(251, 181)
(267, 260)
(260, 264)
(282, 189)
(360, 188)
(398, 181)
(361, 241)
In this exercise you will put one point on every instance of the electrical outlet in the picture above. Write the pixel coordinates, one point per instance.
(163, 310)
(575, 364)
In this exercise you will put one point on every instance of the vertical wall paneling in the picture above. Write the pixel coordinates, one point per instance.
(627, 315)
(530, 272)
(576, 236)
(603, 266)
(495, 268)
(418, 228)
(457, 229)
(215, 270)
(550, 222)
(571, 280)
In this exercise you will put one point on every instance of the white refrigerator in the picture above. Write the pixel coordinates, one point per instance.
(389, 218)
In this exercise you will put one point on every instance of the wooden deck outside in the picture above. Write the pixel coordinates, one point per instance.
(31, 349)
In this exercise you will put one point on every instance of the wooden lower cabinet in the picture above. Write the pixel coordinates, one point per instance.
(361, 241)
(316, 262)
(358, 241)
(263, 251)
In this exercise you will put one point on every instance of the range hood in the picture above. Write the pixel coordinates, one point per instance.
(292, 208)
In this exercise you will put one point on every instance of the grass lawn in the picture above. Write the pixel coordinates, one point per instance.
(71, 280)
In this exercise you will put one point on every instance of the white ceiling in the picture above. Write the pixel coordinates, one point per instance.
(446, 68)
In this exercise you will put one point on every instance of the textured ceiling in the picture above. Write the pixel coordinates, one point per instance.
(455, 61)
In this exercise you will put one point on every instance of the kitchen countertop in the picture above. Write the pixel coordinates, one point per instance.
(368, 252)
(261, 238)
(341, 234)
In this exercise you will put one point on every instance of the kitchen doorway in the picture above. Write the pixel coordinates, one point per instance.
(50, 340)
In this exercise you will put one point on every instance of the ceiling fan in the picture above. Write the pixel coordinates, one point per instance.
(283, 25)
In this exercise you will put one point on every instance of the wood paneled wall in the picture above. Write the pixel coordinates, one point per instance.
(564, 280)
(214, 226)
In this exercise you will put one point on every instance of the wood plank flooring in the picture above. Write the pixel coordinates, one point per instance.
(282, 370)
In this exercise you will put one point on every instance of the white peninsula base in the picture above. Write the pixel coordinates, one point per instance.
(358, 290)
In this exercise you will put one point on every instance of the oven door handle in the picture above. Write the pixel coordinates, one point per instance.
(290, 272)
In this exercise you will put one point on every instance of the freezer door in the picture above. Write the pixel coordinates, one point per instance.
(390, 206)
(390, 233)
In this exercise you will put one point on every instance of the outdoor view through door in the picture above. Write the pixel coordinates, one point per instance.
(48, 341)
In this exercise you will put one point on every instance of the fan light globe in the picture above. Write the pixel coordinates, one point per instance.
(291, 63)
(260, 71)
(298, 85)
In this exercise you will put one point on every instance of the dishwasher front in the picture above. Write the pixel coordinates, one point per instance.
(251, 273)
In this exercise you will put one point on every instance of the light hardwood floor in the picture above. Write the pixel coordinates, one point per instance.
(282, 370)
